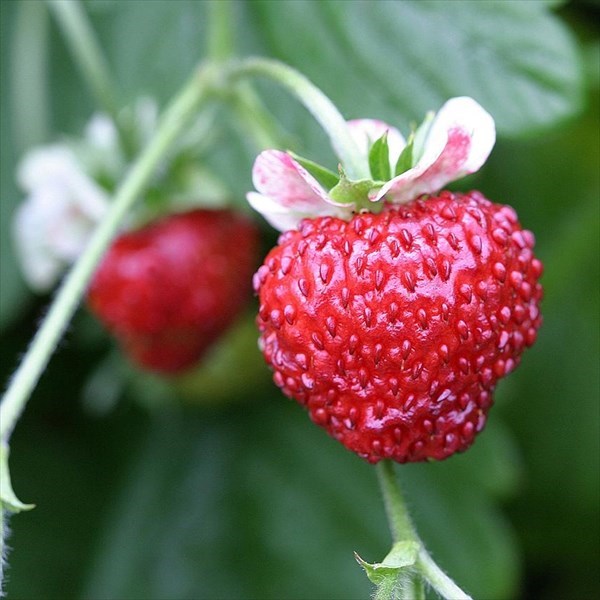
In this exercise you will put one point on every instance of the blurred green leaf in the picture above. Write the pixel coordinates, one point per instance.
(22, 71)
(409, 57)
(260, 503)
(552, 400)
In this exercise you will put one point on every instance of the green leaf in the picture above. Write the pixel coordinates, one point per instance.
(268, 496)
(328, 179)
(379, 159)
(411, 57)
(402, 556)
(8, 498)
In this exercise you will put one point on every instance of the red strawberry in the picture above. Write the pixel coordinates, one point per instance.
(393, 328)
(168, 290)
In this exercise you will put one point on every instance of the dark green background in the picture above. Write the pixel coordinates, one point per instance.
(220, 487)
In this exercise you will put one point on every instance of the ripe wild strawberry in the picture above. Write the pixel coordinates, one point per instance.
(168, 290)
(388, 309)
(393, 328)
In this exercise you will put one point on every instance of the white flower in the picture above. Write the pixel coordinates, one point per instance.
(53, 224)
(457, 142)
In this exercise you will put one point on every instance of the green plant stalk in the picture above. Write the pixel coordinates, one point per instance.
(220, 47)
(220, 31)
(317, 103)
(176, 117)
(255, 118)
(402, 529)
(87, 53)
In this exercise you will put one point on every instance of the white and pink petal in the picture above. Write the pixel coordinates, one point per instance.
(459, 141)
(367, 131)
(277, 175)
(288, 193)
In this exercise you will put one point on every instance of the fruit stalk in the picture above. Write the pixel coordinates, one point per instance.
(317, 103)
(403, 530)
(176, 117)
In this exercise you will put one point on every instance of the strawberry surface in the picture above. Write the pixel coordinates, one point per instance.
(393, 328)
(168, 290)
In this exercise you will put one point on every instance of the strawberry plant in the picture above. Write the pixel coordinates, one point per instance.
(394, 306)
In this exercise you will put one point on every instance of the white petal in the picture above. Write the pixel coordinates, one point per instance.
(288, 193)
(284, 218)
(54, 223)
(277, 216)
(461, 138)
(102, 133)
(366, 131)
(41, 269)
(45, 164)
(277, 175)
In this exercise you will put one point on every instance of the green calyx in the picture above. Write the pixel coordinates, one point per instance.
(356, 192)
(342, 189)
(359, 192)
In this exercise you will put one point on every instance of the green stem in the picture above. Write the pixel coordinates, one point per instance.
(319, 105)
(87, 53)
(256, 119)
(403, 529)
(220, 31)
(176, 117)
(438, 580)
(257, 122)
(399, 520)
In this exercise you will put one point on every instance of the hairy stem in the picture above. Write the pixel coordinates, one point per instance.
(319, 105)
(399, 520)
(438, 580)
(176, 117)
(402, 529)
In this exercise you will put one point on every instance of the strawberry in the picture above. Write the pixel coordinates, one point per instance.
(392, 329)
(169, 289)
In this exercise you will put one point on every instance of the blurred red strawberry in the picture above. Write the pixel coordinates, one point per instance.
(168, 290)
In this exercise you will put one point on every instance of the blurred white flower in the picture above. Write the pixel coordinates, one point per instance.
(101, 132)
(53, 224)
(67, 187)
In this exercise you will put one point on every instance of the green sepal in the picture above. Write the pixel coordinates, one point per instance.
(8, 499)
(405, 160)
(328, 179)
(403, 555)
(379, 159)
(354, 192)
